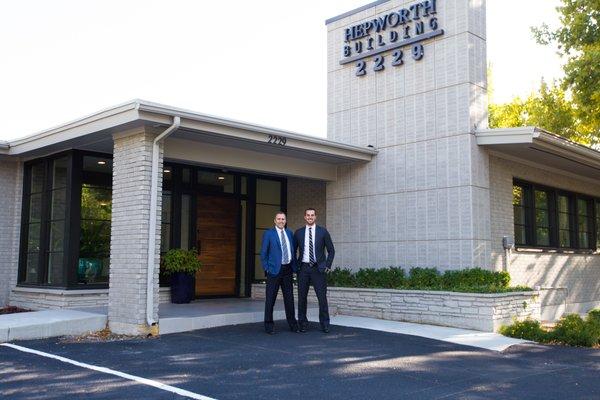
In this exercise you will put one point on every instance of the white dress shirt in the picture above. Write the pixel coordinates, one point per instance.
(287, 244)
(306, 255)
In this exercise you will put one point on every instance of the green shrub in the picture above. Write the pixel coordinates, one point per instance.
(341, 278)
(594, 315)
(424, 278)
(575, 331)
(474, 280)
(179, 260)
(528, 329)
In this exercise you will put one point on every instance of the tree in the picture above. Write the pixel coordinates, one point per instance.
(548, 108)
(578, 41)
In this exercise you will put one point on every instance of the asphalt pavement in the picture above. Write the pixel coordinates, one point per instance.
(242, 362)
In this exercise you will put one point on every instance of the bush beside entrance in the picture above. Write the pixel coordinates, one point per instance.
(571, 330)
(474, 280)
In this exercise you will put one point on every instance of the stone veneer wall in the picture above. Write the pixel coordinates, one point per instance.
(484, 312)
(11, 182)
(42, 299)
(303, 193)
(424, 199)
(572, 281)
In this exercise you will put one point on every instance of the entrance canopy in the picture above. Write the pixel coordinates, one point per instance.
(201, 138)
(531, 144)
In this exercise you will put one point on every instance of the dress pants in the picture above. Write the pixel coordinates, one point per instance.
(284, 279)
(311, 275)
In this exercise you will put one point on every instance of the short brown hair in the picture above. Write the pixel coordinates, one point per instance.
(310, 209)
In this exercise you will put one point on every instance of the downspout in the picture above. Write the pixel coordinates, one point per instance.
(152, 226)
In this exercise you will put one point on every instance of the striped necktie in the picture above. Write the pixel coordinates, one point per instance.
(311, 249)
(286, 255)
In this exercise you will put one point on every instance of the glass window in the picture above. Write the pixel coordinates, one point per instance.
(565, 231)
(268, 202)
(46, 200)
(268, 191)
(542, 218)
(167, 222)
(219, 182)
(520, 215)
(96, 212)
(584, 223)
(186, 209)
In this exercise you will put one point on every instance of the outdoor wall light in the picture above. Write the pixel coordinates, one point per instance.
(221, 178)
(101, 162)
(167, 171)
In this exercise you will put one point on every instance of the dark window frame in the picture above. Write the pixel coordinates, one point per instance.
(72, 221)
(178, 188)
(529, 189)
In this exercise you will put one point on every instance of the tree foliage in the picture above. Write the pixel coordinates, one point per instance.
(548, 108)
(578, 41)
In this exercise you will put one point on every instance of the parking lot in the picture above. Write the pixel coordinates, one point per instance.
(241, 362)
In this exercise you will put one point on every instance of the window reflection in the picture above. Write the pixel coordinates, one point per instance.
(96, 212)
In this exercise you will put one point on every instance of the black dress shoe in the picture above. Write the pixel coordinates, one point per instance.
(294, 329)
(302, 329)
(270, 332)
(325, 330)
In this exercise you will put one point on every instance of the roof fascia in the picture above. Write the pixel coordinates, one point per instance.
(99, 121)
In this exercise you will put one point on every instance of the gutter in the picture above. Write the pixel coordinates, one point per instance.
(152, 225)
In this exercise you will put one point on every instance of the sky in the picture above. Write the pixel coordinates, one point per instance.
(261, 61)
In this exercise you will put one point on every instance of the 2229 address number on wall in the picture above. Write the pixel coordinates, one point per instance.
(397, 59)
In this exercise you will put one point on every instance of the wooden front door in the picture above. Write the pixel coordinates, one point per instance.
(216, 238)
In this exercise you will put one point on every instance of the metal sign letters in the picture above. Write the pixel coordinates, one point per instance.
(391, 32)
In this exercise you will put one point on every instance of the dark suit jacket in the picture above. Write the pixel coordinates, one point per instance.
(322, 242)
(270, 251)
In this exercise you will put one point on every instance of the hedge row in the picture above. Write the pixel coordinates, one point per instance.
(570, 330)
(475, 280)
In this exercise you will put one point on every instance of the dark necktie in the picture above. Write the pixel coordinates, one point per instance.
(286, 255)
(311, 250)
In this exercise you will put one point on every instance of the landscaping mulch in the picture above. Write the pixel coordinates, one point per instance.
(12, 310)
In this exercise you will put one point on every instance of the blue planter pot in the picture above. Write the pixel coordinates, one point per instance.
(182, 288)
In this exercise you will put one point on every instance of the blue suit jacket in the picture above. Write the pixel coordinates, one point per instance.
(322, 242)
(270, 251)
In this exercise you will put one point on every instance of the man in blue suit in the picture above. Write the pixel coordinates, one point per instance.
(312, 241)
(278, 261)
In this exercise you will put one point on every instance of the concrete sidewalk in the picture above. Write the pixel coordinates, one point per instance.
(203, 314)
(466, 337)
(49, 323)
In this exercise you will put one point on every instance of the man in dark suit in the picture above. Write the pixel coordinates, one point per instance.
(312, 241)
(278, 261)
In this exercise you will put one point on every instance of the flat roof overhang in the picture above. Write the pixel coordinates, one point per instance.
(201, 138)
(535, 145)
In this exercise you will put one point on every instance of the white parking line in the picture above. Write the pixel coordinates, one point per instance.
(109, 371)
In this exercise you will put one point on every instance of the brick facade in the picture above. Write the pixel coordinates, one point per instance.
(424, 199)
(129, 233)
(303, 193)
(11, 182)
(570, 282)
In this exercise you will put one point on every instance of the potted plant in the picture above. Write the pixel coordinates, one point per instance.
(182, 266)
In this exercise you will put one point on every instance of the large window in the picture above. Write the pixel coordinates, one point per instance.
(551, 218)
(66, 221)
(96, 211)
(43, 222)
(268, 203)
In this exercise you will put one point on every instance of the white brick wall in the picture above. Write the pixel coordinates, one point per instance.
(129, 233)
(574, 278)
(304, 193)
(424, 199)
(11, 183)
(484, 312)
